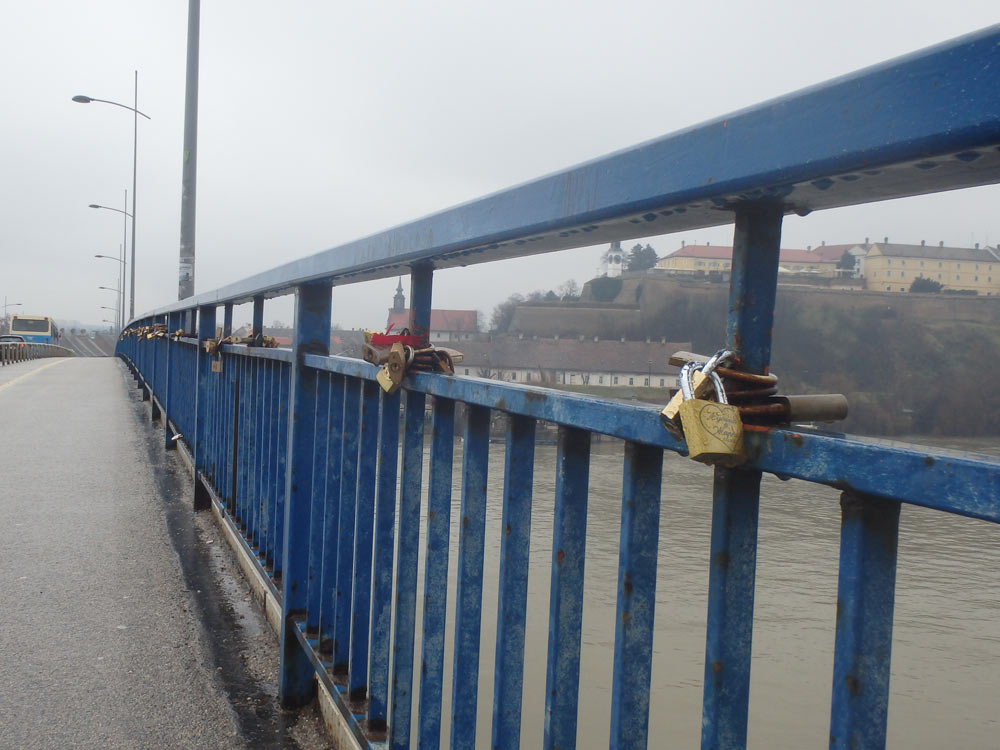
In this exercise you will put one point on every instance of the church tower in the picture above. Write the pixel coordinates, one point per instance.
(399, 301)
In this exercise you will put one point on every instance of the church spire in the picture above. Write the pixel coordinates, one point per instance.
(399, 301)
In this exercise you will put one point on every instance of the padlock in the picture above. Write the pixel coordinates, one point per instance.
(391, 375)
(701, 385)
(713, 429)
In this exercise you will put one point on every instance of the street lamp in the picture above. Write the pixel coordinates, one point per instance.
(125, 217)
(121, 280)
(135, 141)
(7, 304)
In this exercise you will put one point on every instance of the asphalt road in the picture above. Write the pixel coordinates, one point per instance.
(122, 622)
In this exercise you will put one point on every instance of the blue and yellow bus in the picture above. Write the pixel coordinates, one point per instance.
(37, 328)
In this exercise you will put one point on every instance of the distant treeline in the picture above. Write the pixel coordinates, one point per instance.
(901, 376)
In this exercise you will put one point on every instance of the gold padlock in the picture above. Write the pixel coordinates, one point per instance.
(390, 377)
(713, 429)
(701, 386)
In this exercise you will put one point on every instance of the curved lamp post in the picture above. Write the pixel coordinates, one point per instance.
(121, 281)
(125, 217)
(116, 311)
(135, 134)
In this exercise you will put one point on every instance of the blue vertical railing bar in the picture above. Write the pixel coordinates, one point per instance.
(275, 449)
(206, 330)
(172, 393)
(411, 481)
(260, 444)
(234, 443)
(284, 372)
(357, 683)
(512, 601)
(421, 286)
(317, 522)
(345, 535)
(214, 433)
(266, 462)
(436, 571)
(311, 336)
(257, 324)
(253, 448)
(226, 479)
(154, 351)
(569, 548)
(385, 519)
(243, 442)
(469, 593)
(736, 496)
(331, 514)
(866, 591)
(637, 555)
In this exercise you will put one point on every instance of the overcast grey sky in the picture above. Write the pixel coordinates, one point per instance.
(321, 122)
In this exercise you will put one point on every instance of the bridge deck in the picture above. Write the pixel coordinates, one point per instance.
(105, 640)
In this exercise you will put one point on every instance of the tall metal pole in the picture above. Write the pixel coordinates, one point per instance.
(124, 249)
(185, 271)
(135, 146)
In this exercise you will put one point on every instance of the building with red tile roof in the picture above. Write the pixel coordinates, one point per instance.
(446, 325)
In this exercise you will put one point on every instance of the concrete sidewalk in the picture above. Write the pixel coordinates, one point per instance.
(121, 624)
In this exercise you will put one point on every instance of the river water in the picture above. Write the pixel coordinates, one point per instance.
(946, 644)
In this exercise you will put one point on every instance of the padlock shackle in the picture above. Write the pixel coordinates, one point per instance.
(687, 371)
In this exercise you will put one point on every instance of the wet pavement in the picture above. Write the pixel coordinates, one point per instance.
(123, 620)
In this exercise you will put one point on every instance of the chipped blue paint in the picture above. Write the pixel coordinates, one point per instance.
(312, 336)
(406, 575)
(342, 595)
(331, 513)
(469, 594)
(869, 540)
(508, 673)
(385, 517)
(363, 537)
(436, 572)
(569, 549)
(637, 556)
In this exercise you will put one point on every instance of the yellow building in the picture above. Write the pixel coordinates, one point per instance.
(703, 259)
(892, 268)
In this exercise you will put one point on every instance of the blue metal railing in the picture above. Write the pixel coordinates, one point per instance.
(302, 449)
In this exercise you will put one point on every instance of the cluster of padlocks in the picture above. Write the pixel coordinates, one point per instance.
(400, 353)
(154, 331)
(716, 400)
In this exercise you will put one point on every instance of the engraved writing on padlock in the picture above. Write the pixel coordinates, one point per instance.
(713, 429)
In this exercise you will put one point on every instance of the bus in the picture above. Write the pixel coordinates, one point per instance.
(37, 328)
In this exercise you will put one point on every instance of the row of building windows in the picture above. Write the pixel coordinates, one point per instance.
(940, 265)
(585, 378)
(958, 276)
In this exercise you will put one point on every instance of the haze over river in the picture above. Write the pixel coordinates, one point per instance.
(946, 645)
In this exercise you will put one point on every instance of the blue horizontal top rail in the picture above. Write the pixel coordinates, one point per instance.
(925, 122)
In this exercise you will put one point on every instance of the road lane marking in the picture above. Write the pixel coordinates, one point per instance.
(33, 372)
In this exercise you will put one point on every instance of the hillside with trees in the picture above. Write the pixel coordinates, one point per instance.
(902, 373)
